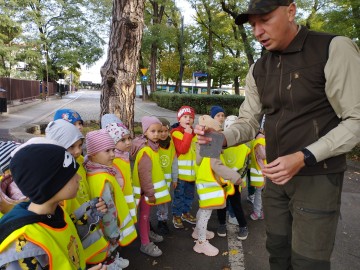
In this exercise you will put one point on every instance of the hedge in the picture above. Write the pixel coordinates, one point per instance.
(201, 103)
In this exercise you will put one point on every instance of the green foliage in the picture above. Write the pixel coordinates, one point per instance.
(201, 103)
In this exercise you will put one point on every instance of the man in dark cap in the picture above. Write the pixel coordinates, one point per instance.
(307, 85)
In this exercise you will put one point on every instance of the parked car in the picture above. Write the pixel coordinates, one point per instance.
(219, 92)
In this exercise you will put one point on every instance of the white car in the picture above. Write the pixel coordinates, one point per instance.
(219, 92)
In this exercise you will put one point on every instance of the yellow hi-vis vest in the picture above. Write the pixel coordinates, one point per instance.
(167, 156)
(235, 157)
(124, 168)
(96, 251)
(162, 194)
(210, 193)
(256, 177)
(186, 162)
(97, 183)
(62, 246)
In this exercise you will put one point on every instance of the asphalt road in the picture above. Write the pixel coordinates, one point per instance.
(177, 247)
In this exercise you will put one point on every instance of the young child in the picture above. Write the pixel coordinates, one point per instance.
(168, 162)
(117, 224)
(71, 116)
(258, 160)
(109, 118)
(39, 234)
(236, 158)
(70, 137)
(184, 140)
(121, 136)
(218, 113)
(213, 186)
(150, 187)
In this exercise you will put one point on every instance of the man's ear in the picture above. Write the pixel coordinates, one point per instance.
(291, 10)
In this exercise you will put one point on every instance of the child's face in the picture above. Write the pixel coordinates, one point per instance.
(220, 117)
(153, 132)
(124, 144)
(69, 191)
(76, 149)
(186, 120)
(105, 157)
(79, 125)
(164, 133)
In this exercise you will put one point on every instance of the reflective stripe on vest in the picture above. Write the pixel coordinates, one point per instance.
(62, 246)
(256, 177)
(210, 192)
(162, 194)
(97, 183)
(186, 162)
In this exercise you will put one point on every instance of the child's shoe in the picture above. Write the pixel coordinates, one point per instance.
(188, 218)
(151, 249)
(121, 262)
(178, 222)
(155, 238)
(251, 198)
(163, 227)
(221, 230)
(233, 220)
(243, 233)
(209, 234)
(255, 216)
(206, 248)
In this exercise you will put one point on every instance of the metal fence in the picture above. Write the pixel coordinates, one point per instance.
(26, 89)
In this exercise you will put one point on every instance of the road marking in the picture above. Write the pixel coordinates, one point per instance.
(236, 252)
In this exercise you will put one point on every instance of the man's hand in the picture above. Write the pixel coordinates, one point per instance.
(98, 267)
(200, 131)
(282, 169)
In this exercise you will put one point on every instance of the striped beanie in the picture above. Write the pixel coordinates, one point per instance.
(97, 141)
(5, 150)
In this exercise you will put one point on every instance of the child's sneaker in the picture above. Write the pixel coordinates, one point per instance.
(209, 234)
(243, 233)
(177, 222)
(188, 218)
(233, 220)
(155, 237)
(206, 248)
(221, 230)
(120, 262)
(151, 249)
(163, 227)
(255, 216)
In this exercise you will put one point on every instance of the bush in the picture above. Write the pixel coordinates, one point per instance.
(201, 103)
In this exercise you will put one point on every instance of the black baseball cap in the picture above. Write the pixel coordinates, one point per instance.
(260, 7)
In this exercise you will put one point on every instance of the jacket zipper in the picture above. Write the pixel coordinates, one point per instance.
(282, 111)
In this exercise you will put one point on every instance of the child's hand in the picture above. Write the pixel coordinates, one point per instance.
(98, 267)
(101, 206)
(152, 199)
(188, 129)
(174, 184)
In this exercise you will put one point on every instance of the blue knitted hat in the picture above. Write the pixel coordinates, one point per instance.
(215, 110)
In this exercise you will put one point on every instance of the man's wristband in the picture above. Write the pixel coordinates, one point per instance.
(309, 158)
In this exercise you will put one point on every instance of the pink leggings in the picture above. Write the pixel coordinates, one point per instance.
(144, 221)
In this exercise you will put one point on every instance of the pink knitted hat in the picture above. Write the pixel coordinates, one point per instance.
(147, 121)
(97, 141)
(117, 131)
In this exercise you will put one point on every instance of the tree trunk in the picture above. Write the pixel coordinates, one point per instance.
(153, 62)
(118, 86)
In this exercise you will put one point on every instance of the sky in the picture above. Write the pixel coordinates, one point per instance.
(93, 73)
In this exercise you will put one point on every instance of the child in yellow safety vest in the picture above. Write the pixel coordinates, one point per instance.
(214, 181)
(149, 182)
(69, 136)
(117, 224)
(169, 165)
(123, 142)
(40, 234)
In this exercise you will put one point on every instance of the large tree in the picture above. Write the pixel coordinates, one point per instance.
(118, 87)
